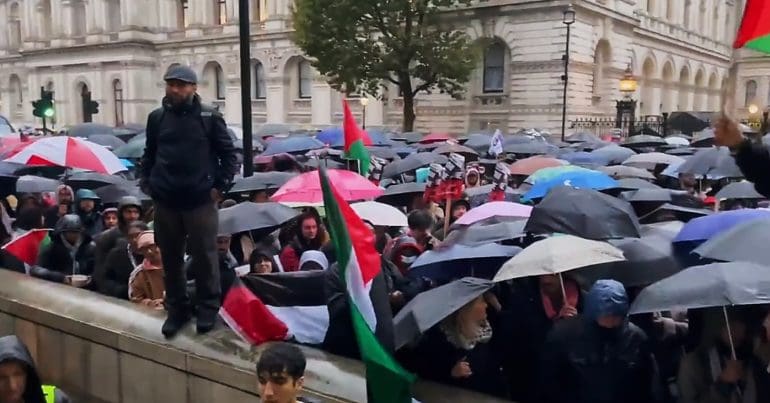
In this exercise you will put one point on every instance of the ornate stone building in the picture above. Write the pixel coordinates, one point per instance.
(117, 51)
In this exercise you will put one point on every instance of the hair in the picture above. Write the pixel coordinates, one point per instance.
(420, 220)
(29, 218)
(141, 225)
(280, 357)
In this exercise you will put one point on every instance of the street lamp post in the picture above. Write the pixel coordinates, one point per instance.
(626, 107)
(364, 101)
(569, 19)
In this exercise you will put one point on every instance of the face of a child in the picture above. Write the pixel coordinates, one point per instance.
(152, 253)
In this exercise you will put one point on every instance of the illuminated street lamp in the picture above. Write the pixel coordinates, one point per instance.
(626, 107)
(628, 83)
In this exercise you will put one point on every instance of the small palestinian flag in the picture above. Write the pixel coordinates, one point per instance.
(356, 140)
(27, 246)
(754, 32)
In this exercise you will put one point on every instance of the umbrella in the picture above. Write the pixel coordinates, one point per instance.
(623, 171)
(409, 137)
(274, 129)
(479, 195)
(547, 174)
(711, 285)
(743, 242)
(614, 153)
(292, 145)
(585, 213)
(70, 152)
(431, 307)
(131, 150)
(108, 140)
(529, 166)
(704, 228)
(479, 142)
(494, 209)
(647, 195)
(556, 255)
(650, 160)
(714, 162)
(739, 190)
(306, 188)
(93, 180)
(468, 153)
(682, 151)
(387, 153)
(583, 157)
(636, 183)
(704, 138)
(113, 193)
(646, 262)
(435, 138)
(86, 130)
(583, 137)
(577, 179)
(249, 216)
(456, 261)
(643, 140)
(689, 122)
(410, 163)
(677, 141)
(530, 148)
(486, 231)
(261, 181)
(401, 194)
(380, 214)
(35, 184)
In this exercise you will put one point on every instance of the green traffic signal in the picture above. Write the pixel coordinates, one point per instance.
(49, 112)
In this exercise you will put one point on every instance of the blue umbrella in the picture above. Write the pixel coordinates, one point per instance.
(614, 154)
(703, 228)
(335, 137)
(457, 261)
(583, 179)
(126, 163)
(297, 144)
(584, 157)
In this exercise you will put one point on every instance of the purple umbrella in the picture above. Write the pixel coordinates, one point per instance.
(703, 228)
(494, 209)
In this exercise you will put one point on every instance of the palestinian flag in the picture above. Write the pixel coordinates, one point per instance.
(754, 32)
(356, 141)
(359, 264)
(278, 306)
(27, 246)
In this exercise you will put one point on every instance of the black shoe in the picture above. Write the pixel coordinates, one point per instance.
(205, 320)
(173, 324)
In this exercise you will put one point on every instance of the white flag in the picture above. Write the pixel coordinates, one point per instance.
(496, 144)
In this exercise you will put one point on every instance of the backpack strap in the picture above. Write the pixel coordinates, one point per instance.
(207, 115)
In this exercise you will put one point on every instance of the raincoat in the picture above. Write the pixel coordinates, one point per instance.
(13, 349)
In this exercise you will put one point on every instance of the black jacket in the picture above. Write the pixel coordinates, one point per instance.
(13, 349)
(754, 161)
(54, 262)
(581, 363)
(112, 280)
(92, 222)
(182, 162)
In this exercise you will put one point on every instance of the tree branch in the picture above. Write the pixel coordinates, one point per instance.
(380, 21)
(425, 85)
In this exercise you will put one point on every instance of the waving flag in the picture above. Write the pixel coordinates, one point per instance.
(356, 141)
(27, 246)
(359, 263)
(754, 32)
(496, 144)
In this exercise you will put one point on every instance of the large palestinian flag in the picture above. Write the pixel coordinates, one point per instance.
(754, 32)
(359, 264)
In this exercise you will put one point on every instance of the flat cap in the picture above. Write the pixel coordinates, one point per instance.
(181, 73)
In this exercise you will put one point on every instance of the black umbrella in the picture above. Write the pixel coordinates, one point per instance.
(668, 211)
(410, 137)
(583, 137)
(744, 242)
(711, 285)
(690, 122)
(479, 142)
(468, 153)
(87, 130)
(94, 180)
(647, 261)
(682, 151)
(7, 184)
(703, 139)
(480, 194)
(739, 190)
(108, 140)
(713, 162)
(644, 140)
(531, 148)
(487, 231)
(401, 194)
(131, 150)
(431, 307)
(36, 184)
(412, 162)
(585, 213)
(636, 183)
(113, 193)
(384, 152)
(249, 216)
(647, 195)
(261, 181)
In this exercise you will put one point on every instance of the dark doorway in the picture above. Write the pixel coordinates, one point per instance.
(85, 96)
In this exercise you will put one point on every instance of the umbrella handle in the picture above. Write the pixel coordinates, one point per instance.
(563, 291)
(729, 333)
(447, 214)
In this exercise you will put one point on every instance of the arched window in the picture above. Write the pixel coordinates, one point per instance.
(15, 85)
(14, 26)
(182, 14)
(220, 12)
(601, 58)
(220, 82)
(117, 96)
(751, 92)
(112, 14)
(78, 18)
(305, 78)
(494, 68)
(257, 81)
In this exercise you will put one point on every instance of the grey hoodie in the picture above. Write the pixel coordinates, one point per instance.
(13, 349)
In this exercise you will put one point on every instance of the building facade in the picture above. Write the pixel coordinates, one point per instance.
(115, 52)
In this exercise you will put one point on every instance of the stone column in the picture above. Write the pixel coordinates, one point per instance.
(375, 112)
(4, 32)
(275, 103)
(233, 102)
(28, 28)
(57, 22)
(94, 17)
(321, 104)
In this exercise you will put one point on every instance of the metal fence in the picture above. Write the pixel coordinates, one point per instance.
(652, 125)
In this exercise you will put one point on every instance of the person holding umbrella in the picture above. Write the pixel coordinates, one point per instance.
(752, 158)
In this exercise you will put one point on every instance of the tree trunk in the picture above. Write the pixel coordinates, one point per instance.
(408, 111)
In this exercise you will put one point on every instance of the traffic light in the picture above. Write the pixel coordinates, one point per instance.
(93, 107)
(44, 107)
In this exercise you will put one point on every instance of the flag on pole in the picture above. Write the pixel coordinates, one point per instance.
(496, 144)
(359, 263)
(27, 246)
(754, 32)
(356, 141)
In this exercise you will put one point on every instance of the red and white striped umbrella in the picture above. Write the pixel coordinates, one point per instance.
(70, 152)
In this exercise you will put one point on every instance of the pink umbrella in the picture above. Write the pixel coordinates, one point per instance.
(435, 137)
(306, 188)
(494, 209)
(70, 152)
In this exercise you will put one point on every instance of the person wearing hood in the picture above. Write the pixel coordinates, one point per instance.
(472, 176)
(146, 281)
(261, 262)
(19, 380)
(86, 207)
(310, 235)
(313, 260)
(70, 252)
(120, 263)
(129, 210)
(110, 218)
(599, 356)
(459, 208)
(65, 196)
